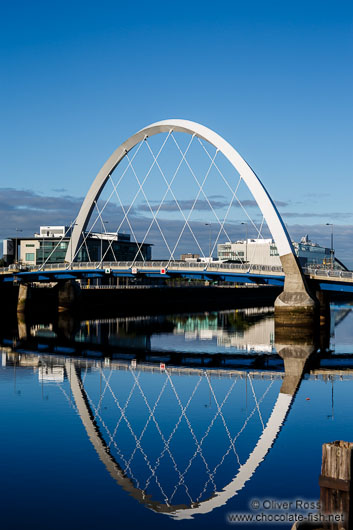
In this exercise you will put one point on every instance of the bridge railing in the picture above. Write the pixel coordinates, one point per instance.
(156, 265)
(184, 266)
(327, 273)
(242, 268)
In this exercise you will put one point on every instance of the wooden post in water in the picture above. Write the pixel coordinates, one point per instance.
(335, 482)
(335, 488)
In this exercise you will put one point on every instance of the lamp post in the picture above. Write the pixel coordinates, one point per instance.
(16, 253)
(331, 250)
(72, 227)
(209, 241)
(246, 240)
(103, 228)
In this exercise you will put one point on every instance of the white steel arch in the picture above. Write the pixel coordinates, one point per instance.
(259, 192)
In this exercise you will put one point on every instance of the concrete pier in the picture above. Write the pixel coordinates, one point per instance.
(24, 295)
(295, 306)
(69, 294)
(324, 308)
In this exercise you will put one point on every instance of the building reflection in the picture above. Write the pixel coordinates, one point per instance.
(241, 331)
(246, 330)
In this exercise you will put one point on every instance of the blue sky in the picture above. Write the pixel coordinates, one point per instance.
(273, 78)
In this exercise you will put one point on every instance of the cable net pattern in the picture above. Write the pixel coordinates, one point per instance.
(179, 438)
(177, 193)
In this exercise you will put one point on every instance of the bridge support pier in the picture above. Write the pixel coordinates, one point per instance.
(324, 307)
(295, 306)
(24, 296)
(68, 295)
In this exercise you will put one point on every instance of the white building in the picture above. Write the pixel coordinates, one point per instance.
(53, 231)
(264, 252)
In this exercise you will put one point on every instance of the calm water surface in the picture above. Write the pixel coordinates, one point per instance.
(166, 422)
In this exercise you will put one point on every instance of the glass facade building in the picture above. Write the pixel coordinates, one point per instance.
(51, 244)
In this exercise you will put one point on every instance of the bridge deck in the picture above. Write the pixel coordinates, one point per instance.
(331, 280)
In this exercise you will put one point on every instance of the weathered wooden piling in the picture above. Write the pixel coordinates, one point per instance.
(335, 482)
(335, 487)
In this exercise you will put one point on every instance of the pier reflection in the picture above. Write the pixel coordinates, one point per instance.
(180, 438)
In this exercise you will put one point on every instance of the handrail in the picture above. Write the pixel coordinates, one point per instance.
(205, 267)
(328, 273)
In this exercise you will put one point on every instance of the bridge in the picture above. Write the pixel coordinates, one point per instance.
(166, 184)
(338, 281)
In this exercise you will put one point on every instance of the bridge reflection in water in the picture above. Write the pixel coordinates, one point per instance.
(183, 440)
(200, 483)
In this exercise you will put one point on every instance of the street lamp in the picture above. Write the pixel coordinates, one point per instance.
(70, 243)
(332, 252)
(246, 241)
(103, 228)
(209, 241)
(16, 253)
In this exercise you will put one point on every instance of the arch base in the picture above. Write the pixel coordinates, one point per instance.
(295, 306)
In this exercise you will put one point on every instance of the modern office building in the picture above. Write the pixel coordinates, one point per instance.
(264, 252)
(51, 243)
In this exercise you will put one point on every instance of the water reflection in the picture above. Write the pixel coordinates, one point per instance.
(244, 330)
(180, 439)
(221, 337)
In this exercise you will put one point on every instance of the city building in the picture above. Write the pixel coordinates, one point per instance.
(51, 243)
(189, 257)
(264, 252)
